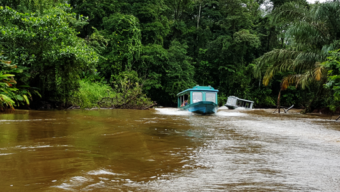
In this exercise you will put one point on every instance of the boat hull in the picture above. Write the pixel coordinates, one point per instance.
(203, 107)
(231, 106)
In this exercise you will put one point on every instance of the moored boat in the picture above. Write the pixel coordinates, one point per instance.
(199, 99)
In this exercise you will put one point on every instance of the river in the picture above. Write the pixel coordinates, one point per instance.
(168, 150)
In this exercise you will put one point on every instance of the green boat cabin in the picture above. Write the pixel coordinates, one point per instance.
(197, 94)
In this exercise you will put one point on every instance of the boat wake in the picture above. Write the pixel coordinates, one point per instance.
(230, 114)
(172, 111)
(175, 111)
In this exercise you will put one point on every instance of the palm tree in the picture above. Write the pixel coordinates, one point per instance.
(312, 32)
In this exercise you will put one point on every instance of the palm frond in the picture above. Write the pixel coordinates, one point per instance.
(277, 60)
(319, 72)
(312, 33)
(291, 11)
(5, 102)
(307, 60)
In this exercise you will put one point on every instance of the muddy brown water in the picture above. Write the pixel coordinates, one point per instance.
(168, 150)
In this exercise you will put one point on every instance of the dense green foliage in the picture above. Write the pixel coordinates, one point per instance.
(5, 100)
(90, 93)
(312, 33)
(48, 47)
(127, 93)
(173, 45)
(252, 49)
(12, 94)
(333, 80)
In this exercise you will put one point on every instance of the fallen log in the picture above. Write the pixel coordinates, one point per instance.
(277, 109)
(73, 107)
(150, 106)
(285, 110)
(337, 118)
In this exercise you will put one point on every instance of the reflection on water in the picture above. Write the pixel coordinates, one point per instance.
(167, 150)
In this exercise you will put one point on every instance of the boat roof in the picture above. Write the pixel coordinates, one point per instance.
(199, 88)
(241, 99)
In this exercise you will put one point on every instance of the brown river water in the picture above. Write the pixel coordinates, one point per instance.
(168, 150)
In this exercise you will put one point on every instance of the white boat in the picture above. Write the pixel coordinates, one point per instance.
(235, 102)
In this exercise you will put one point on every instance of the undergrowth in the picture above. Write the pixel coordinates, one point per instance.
(90, 93)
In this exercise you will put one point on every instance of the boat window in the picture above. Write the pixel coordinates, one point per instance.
(196, 97)
(185, 100)
(231, 101)
(210, 97)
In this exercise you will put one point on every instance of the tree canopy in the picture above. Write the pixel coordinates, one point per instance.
(248, 48)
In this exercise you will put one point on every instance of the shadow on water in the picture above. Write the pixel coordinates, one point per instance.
(167, 150)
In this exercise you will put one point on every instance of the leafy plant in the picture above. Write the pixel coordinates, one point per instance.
(48, 47)
(129, 91)
(5, 100)
(333, 77)
(89, 93)
(13, 94)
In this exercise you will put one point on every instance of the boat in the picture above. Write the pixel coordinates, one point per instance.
(199, 99)
(235, 102)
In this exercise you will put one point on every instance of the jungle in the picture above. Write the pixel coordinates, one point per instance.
(136, 53)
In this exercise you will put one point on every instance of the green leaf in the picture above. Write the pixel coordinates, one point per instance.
(26, 99)
(7, 75)
(19, 97)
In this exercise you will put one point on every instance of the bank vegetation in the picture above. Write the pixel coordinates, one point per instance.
(133, 53)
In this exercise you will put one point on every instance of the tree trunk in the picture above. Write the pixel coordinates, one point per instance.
(199, 16)
(198, 21)
(278, 101)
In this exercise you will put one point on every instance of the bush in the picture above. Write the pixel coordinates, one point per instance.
(126, 95)
(90, 93)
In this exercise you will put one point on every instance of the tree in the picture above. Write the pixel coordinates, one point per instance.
(124, 45)
(30, 5)
(165, 72)
(311, 34)
(333, 77)
(154, 25)
(48, 46)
